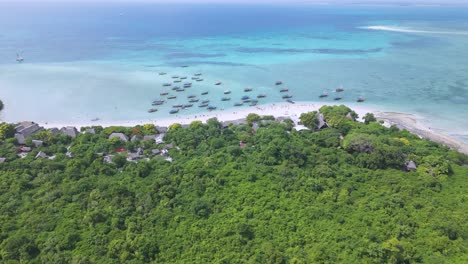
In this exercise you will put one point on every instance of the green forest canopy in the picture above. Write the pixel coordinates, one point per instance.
(282, 197)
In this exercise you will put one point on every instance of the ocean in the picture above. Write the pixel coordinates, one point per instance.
(103, 60)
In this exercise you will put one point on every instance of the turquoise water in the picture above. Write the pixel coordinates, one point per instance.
(88, 61)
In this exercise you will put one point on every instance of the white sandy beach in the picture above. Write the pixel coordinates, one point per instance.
(409, 122)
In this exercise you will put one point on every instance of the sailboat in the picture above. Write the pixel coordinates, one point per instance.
(19, 58)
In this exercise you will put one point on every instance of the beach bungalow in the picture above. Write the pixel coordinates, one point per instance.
(54, 131)
(160, 138)
(122, 136)
(156, 152)
(27, 128)
(71, 131)
(41, 155)
(410, 166)
(2, 160)
(90, 131)
(321, 121)
(149, 137)
(161, 129)
(255, 126)
(20, 138)
(169, 146)
(37, 143)
(135, 138)
(24, 149)
(108, 159)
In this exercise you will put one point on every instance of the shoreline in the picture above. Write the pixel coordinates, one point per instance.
(410, 122)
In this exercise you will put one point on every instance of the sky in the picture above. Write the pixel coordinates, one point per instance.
(380, 2)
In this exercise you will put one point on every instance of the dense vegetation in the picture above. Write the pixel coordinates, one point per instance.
(338, 195)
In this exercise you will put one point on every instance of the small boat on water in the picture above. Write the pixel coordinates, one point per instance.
(247, 90)
(204, 93)
(183, 77)
(225, 99)
(287, 96)
(337, 98)
(323, 95)
(218, 83)
(167, 84)
(205, 101)
(188, 105)
(191, 96)
(152, 110)
(210, 107)
(361, 99)
(284, 90)
(227, 91)
(261, 96)
(174, 111)
(278, 83)
(245, 97)
(339, 89)
(175, 77)
(172, 97)
(199, 80)
(197, 74)
(177, 105)
(238, 104)
(164, 93)
(187, 85)
(195, 78)
(253, 103)
(180, 90)
(162, 73)
(158, 102)
(194, 100)
(95, 119)
(290, 101)
(202, 105)
(177, 81)
(184, 66)
(19, 58)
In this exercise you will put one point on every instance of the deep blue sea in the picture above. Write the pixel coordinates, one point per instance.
(102, 60)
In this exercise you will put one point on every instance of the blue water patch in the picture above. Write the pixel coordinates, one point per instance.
(318, 51)
(192, 55)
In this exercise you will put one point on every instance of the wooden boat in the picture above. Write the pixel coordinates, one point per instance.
(205, 101)
(172, 97)
(162, 73)
(339, 89)
(180, 90)
(191, 96)
(218, 83)
(278, 83)
(175, 77)
(203, 105)
(247, 90)
(225, 99)
(194, 100)
(197, 74)
(158, 102)
(284, 90)
(245, 97)
(323, 95)
(167, 84)
(177, 81)
(361, 99)
(261, 96)
(174, 111)
(253, 103)
(152, 110)
(177, 105)
(164, 93)
(238, 104)
(188, 105)
(227, 91)
(211, 108)
(290, 101)
(204, 93)
(183, 77)
(337, 98)
(287, 96)
(199, 80)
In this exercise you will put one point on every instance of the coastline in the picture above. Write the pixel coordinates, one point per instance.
(406, 121)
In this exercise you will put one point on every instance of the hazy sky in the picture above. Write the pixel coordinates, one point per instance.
(443, 2)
